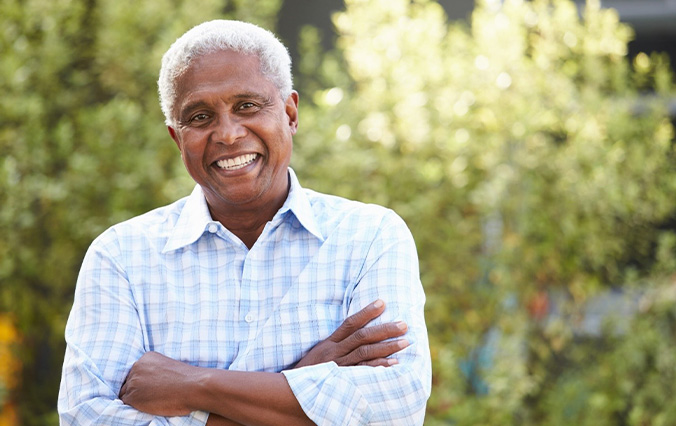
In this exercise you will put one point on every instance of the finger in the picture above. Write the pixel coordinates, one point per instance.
(123, 390)
(380, 362)
(358, 320)
(371, 352)
(377, 333)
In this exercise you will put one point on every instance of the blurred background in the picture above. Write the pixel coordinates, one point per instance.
(529, 145)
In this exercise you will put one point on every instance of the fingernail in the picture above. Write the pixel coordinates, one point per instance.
(378, 304)
(392, 361)
(403, 343)
(402, 325)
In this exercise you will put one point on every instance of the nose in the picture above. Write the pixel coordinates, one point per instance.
(228, 129)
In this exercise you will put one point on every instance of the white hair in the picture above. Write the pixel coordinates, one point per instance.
(213, 36)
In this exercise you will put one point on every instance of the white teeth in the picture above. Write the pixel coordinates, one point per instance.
(237, 162)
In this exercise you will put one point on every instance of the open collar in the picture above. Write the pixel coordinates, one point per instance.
(195, 217)
(298, 203)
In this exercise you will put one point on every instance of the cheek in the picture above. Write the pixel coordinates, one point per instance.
(191, 148)
(192, 158)
(282, 149)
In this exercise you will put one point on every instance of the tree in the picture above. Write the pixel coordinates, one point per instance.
(530, 157)
(82, 146)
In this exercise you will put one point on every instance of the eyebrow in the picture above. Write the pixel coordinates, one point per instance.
(252, 95)
(191, 106)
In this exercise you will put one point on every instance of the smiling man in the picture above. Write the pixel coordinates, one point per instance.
(253, 300)
(234, 132)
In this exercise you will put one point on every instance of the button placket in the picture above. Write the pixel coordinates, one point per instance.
(251, 292)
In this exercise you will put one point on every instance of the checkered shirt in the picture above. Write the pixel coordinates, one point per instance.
(177, 282)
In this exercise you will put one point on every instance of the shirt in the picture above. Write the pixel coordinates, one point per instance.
(177, 282)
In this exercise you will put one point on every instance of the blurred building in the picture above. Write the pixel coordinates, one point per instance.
(654, 24)
(654, 21)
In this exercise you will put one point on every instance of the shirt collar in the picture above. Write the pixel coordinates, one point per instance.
(191, 223)
(195, 216)
(298, 203)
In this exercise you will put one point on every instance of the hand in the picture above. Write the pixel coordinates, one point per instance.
(155, 383)
(355, 344)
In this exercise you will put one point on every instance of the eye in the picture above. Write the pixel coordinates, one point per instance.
(198, 118)
(246, 106)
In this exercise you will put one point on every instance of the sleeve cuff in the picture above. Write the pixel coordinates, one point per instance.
(326, 397)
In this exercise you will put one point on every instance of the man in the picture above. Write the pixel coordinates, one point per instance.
(253, 300)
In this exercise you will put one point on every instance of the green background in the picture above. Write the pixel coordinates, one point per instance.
(532, 159)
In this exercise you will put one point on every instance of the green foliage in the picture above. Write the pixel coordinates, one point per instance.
(530, 157)
(528, 154)
(82, 146)
(630, 381)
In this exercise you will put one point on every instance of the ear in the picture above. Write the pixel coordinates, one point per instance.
(291, 107)
(174, 136)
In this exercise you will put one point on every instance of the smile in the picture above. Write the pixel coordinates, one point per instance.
(237, 162)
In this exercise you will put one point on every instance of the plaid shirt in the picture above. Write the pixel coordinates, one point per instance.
(179, 283)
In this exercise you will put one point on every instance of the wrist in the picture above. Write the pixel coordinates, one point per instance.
(196, 389)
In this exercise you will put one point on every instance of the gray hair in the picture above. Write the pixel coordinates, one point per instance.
(217, 35)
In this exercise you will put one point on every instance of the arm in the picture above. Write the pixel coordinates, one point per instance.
(160, 385)
(396, 395)
(104, 338)
(327, 392)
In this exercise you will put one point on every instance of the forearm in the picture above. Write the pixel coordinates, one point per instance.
(216, 420)
(248, 398)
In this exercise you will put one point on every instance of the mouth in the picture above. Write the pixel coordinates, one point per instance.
(237, 163)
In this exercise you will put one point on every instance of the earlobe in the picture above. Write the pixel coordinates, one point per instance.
(174, 136)
(292, 111)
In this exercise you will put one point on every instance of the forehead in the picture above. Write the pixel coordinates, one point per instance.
(222, 73)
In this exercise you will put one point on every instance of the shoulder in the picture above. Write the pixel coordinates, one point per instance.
(334, 213)
(332, 207)
(151, 229)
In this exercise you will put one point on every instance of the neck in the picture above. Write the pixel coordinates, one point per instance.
(246, 225)
(248, 221)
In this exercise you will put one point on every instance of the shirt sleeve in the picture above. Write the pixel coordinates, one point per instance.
(330, 394)
(104, 338)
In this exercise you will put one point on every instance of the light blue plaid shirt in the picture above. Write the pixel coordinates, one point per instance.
(179, 283)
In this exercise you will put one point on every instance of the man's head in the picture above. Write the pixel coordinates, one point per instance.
(226, 92)
(220, 35)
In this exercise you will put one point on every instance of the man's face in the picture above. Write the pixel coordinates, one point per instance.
(234, 131)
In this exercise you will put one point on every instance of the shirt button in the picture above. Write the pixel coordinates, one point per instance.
(249, 317)
(213, 228)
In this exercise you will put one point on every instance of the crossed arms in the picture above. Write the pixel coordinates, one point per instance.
(112, 376)
(162, 386)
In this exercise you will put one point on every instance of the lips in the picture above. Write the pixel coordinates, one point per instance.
(237, 163)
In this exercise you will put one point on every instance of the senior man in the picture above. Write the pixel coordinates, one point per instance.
(253, 300)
